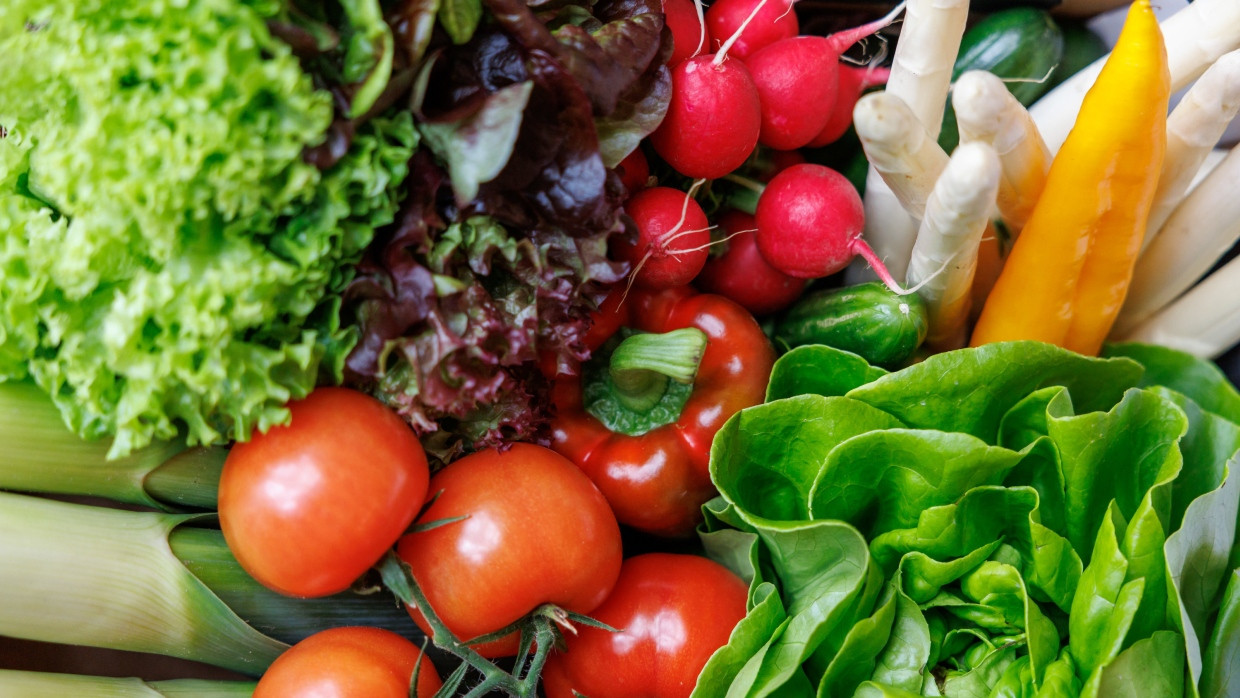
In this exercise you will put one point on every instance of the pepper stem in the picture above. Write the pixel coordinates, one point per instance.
(644, 363)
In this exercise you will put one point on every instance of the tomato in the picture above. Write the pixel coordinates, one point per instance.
(308, 507)
(743, 275)
(672, 612)
(347, 662)
(538, 531)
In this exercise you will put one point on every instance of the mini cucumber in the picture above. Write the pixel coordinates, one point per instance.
(1019, 44)
(867, 319)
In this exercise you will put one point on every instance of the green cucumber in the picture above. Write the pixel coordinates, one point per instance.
(1081, 47)
(1021, 43)
(867, 319)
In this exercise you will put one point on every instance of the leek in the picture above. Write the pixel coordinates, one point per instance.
(139, 581)
(38, 453)
(36, 684)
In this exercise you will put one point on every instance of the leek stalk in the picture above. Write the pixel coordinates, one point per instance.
(140, 581)
(36, 684)
(38, 453)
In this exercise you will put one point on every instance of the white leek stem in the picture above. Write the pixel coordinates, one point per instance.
(1199, 232)
(945, 255)
(988, 113)
(1196, 37)
(104, 577)
(1193, 129)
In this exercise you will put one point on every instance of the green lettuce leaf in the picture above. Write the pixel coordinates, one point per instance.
(970, 391)
(168, 259)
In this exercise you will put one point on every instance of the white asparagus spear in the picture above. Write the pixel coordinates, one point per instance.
(1213, 159)
(988, 113)
(921, 72)
(1193, 129)
(899, 149)
(1196, 36)
(1199, 232)
(945, 256)
(1204, 322)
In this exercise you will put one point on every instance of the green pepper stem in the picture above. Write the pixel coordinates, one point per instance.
(644, 363)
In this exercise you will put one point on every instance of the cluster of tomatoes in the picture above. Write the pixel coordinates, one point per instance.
(491, 538)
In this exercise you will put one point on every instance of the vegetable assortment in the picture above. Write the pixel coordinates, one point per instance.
(454, 322)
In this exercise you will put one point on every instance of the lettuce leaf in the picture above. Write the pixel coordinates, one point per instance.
(1039, 523)
(168, 260)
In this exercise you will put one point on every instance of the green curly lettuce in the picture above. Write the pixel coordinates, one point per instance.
(168, 260)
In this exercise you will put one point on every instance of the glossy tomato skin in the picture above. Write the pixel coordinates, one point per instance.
(308, 507)
(538, 531)
(673, 612)
(743, 275)
(349, 662)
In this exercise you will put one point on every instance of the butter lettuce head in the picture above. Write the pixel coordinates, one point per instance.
(168, 261)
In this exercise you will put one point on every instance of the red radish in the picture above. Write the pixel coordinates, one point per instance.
(712, 120)
(854, 79)
(634, 170)
(797, 81)
(688, 37)
(672, 237)
(809, 224)
(743, 275)
(774, 21)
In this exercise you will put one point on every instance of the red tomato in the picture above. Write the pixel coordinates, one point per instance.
(347, 662)
(538, 532)
(742, 275)
(308, 507)
(673, 612)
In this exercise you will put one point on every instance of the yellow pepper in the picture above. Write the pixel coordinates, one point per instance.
(1070, 269)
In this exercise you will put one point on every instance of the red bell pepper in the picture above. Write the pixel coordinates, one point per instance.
(640, 417)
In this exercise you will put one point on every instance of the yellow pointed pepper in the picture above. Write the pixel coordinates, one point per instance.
(1067, 275)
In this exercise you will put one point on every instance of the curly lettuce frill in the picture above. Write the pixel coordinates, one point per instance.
(168, 261)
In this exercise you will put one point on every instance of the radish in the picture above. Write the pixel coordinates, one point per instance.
(712, 120)
(809, 224)
(634, 170)
(854, 79)
(688, 35)
(775, 20)
(743, 275)
(797, 81)
(672, 238)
